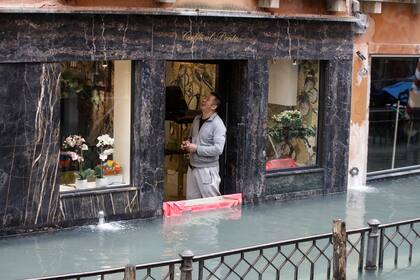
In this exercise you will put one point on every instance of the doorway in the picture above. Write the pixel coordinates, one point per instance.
(187, 82)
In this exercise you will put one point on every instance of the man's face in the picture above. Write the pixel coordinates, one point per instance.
(208, 103)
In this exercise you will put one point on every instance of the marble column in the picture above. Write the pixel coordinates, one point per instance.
(255, 113)
(29, 144)
(148, 139)
(336, 124)
(247, 129)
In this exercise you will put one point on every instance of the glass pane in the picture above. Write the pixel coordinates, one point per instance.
(391, 82)
(95, 124)
(293, 103)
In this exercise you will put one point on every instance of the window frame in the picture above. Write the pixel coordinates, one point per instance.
(318, 166)
(105, 189)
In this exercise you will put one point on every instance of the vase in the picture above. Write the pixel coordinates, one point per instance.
(102, 182)
(81, 184)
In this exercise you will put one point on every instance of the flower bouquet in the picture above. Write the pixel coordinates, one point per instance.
(105, 147)
(73, 146)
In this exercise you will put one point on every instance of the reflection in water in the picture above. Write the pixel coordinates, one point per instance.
(180, 231)
(355, 210)
(141, 241)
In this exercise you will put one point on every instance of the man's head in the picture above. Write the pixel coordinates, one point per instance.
(210, 103)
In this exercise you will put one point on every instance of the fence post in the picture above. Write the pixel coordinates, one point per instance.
(186, 265)
(372, 245)
(130, 272)
(339, 239)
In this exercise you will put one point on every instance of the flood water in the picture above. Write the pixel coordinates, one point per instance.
(140, 241)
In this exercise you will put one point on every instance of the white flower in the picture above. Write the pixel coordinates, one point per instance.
(105, 140)
(103, 157)
(70, 142)
(108, 152)
(84, 147)
(73, 156)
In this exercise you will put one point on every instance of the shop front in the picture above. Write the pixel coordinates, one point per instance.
(384, 126)
(93, 117)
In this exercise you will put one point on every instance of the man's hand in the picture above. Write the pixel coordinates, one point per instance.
(188, 146)
(192, 148)
(184, 145)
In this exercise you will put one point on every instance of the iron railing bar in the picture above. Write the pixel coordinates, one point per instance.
(312, 273)
(171, 271)
(200, 270)
(81, 274)
(410, 254)
(362, 251)
(329, 270)
(322, 251)
(353, 246)
(381, 248)
(262, 246)
(406, 222)
(270, 261)
(219, 265)
(396, 257)
(358, 230)
(157, 264)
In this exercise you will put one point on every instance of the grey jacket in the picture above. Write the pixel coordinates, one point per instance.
(210, 141)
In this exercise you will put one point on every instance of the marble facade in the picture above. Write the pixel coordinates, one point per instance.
(29, 117)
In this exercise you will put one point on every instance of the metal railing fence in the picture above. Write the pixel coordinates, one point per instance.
(300, 258)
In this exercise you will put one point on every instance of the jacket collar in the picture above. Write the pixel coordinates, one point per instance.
(211, 117)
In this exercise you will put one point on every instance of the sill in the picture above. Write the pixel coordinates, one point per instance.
(393, 173)
(294, 171)
(97, 190)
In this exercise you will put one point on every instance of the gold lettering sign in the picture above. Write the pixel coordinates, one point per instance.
(213, 37)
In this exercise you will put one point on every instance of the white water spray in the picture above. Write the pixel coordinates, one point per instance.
(101, 218)
(363, 188)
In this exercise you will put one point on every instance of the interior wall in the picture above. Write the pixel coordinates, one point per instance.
(282, 85)
(122, 115)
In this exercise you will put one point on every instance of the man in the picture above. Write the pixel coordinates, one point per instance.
(208, 135)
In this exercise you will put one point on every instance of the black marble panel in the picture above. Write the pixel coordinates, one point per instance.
(247, 128)
(85, 207)
(255, 126)
(136, 37)
(336, 124)
(148, 134)
(294, 195)
(29, 143)
(294, 182)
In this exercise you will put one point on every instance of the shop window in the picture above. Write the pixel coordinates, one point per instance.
(394, 128)
(95, 125)
(292, 124)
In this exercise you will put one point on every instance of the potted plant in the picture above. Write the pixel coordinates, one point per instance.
(286, 127)
(73, 146)
(83, 175)
(105, 147)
